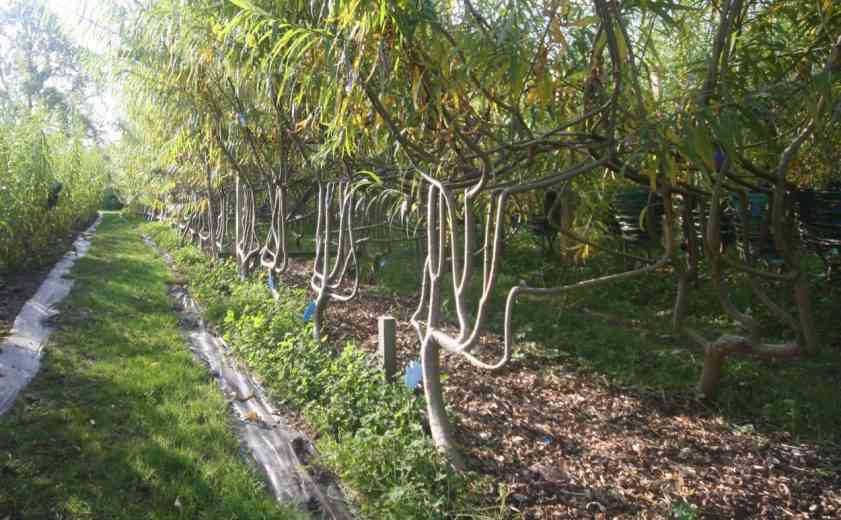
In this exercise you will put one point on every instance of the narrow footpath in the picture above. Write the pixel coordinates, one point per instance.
(122, 421)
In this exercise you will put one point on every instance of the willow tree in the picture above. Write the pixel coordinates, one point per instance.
(52, 171)
(43, 69)
(461, 108)
(746, 136)
(470, 133)
(208, 126)
(301, 60)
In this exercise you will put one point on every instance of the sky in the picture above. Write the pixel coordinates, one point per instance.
(82, 21)
(78, 17)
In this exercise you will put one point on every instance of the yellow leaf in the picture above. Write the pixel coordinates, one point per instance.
(532, 96)
(416, 85)
(621, 43)
(302, 124)
(547, 90)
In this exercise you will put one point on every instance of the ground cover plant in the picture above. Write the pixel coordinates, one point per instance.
(581, 420)
(610, 232)
(371, 434)
(122, 422)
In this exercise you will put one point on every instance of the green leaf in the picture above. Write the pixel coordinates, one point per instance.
(373, 177)
(585, 21)
(248, 5)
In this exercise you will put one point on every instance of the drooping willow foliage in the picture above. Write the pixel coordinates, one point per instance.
(458, 115)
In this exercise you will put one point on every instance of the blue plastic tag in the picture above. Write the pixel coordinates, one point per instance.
(719, 159)
(271, 281)
(309, 311)
(414, 374)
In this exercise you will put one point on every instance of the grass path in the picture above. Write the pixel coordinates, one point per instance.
(121, 422)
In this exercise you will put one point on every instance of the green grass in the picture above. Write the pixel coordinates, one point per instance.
(638, 348)
(798, 396)
(122, 422)
(371, 433)
(370, 437)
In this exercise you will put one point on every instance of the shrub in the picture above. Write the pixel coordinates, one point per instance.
(50, 184)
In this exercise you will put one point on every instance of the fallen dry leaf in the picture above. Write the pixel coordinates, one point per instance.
(569, 444)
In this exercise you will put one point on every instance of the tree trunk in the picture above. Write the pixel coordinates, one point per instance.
(807, 323)
(714, 356)
(439, 423)
(318, 316)
(567, 217)
(710, 373)
(211, 221)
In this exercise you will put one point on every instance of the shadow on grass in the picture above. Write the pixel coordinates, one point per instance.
(624, 332)
(121, 422)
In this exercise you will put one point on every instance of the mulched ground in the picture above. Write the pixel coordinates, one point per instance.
(569, 444)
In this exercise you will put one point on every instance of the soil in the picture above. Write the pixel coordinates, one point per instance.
(16, 288)
(570, 444)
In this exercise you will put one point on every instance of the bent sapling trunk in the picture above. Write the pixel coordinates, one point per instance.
(246, 244)
(273, 256)
(327, 277)
(211, 213)
(781, 225)
(442, 233)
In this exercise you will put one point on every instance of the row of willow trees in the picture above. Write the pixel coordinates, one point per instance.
(453, 115)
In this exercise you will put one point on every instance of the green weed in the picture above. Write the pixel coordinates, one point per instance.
(371, 433)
